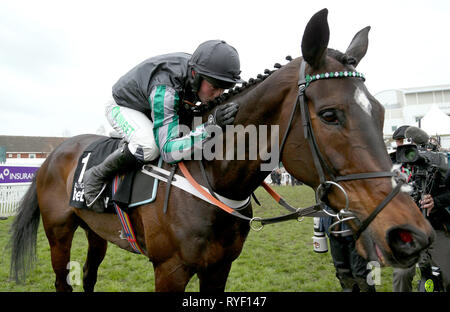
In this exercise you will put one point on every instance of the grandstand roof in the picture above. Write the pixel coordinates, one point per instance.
(30, 144)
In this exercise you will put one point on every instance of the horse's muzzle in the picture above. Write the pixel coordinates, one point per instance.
(406, 243)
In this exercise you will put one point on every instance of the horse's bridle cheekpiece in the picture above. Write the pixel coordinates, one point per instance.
(320, 164)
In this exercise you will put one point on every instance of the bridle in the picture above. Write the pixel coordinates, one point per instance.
(321, 165)
(319, 208)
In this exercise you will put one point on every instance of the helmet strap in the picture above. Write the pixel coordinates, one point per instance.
(195, 80)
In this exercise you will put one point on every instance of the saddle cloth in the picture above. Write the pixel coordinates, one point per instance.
(135, 188)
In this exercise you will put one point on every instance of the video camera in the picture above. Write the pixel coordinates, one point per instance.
(423, 159)
(413, 154)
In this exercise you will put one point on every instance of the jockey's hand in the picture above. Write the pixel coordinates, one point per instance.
(224, 114)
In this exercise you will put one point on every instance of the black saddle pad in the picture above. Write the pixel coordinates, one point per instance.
(132, 189)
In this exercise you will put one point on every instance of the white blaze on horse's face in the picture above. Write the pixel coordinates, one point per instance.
(363, 101)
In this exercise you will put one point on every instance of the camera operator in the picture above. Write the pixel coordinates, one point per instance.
(432, 194)
(435, 206)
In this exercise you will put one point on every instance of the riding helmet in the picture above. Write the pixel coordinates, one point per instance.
(218, 63)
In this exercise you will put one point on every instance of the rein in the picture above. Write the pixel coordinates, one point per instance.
(296, 213)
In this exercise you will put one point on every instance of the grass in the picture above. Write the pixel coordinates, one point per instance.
(279, 258)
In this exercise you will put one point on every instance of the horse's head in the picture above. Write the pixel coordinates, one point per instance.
(346, 124)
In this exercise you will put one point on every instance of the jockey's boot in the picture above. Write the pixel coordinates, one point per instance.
(96, 178)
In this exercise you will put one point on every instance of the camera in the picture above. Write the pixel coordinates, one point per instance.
(422, 157)
(423, 161)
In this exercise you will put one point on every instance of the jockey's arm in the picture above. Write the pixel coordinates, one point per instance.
(164, 102)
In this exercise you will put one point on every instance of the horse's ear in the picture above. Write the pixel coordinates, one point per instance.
(315, 39)
(358, 47)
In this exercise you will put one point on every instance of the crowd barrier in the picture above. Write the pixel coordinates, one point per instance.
(15, 180)
(10, 196)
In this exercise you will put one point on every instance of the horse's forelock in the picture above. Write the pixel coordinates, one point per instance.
(342, 58)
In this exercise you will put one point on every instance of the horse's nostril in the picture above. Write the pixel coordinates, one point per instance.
(406, 244)
(405, 236)
(402, 240)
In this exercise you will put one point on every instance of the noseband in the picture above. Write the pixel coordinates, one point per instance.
(321, 165)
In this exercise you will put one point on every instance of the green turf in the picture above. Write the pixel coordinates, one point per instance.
(278, 258)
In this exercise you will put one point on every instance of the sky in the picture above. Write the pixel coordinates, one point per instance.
(59, 59)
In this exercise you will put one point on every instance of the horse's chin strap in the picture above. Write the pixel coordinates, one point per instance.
(321, 165)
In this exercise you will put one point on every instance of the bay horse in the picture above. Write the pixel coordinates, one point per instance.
(195, 237)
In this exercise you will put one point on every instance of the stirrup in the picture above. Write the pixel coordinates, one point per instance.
(98, 195)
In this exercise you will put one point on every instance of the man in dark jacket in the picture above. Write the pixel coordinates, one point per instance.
(436, 209)
(146, 102)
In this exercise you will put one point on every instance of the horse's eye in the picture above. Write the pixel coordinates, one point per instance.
(329, 117)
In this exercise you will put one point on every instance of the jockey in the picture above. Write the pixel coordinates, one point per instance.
(145, 105)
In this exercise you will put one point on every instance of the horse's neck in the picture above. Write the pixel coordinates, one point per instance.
(239, 178)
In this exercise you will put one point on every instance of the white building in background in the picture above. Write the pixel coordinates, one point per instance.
(408, 106)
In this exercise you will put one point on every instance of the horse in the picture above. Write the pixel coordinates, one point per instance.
(196, 237)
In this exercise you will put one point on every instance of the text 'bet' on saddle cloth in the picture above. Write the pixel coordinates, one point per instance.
(134, 188)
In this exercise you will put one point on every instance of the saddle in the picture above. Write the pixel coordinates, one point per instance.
(132, 189)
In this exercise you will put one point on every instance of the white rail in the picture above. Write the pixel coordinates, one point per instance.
(10, 196)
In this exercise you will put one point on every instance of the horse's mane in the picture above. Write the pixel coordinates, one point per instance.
(246, 85)
(343, 58)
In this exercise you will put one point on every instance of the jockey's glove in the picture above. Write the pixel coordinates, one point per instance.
(224, 115)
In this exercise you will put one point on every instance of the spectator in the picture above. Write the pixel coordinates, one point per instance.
(276, 176)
